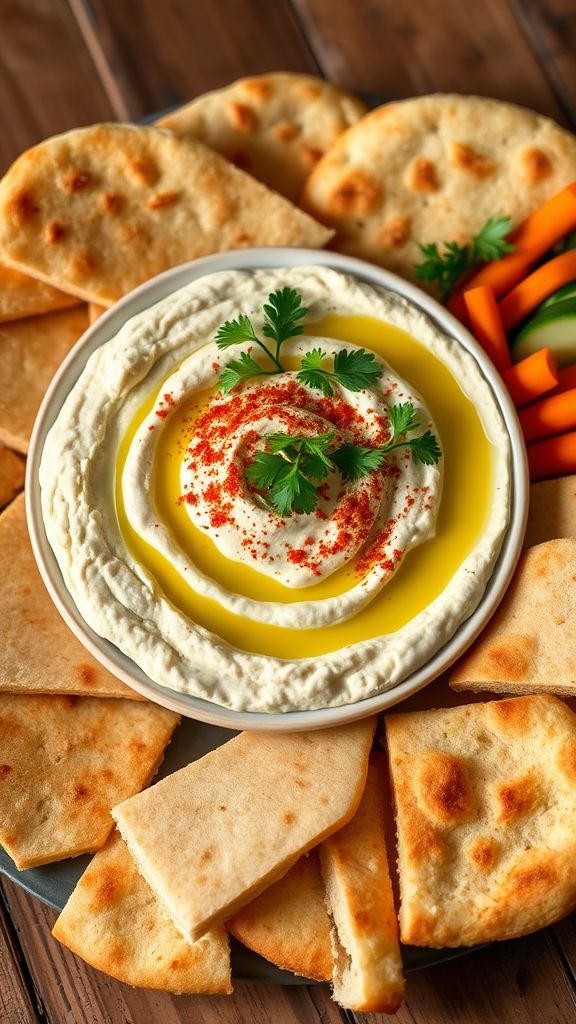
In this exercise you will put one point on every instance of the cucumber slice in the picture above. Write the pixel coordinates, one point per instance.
(553, 328)
(567, 292)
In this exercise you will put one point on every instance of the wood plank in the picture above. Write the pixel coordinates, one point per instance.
(47, 79)
(73, 992)
(519, 982)
(565, 935)
(550, 25)
(172, 51)
(400, 50)
(16, 1006)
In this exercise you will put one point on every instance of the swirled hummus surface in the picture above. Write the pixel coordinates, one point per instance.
(172, 554)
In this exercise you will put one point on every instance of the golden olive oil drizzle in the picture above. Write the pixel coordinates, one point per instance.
(425, 571)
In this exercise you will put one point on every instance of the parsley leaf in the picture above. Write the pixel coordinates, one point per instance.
(425, 449)
(287, 469)
(294, 493)
(490, 243)
(312, 373)
(354, 369)
(353, 461)
(282, 310)
(448, 265)
(264, 469)
(402, 418)
(238, 370)
(235, 332)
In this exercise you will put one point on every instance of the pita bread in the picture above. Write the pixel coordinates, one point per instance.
(112, 920)
(30, 353)
(99, 210)
(22, 296)
(367, 964)
(38, 653)
(12, 472)
(485, 803)
(530, 644)
(434, 169)
(552, 510)
(275, 126)
(213, 836)
(64, 762)
(288, 923)
(95, 312)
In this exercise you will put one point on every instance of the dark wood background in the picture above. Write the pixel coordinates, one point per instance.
(65, 63)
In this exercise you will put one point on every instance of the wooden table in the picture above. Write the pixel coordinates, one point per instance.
(65, 63)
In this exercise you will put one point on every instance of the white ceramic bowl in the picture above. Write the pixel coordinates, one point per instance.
(122, 666)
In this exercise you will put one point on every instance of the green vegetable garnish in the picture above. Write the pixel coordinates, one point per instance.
(448, 265)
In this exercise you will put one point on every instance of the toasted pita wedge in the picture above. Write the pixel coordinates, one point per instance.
(552, 510)
(530, 644)
(214, 835)
(485, 809)
(22, 296)
(64, 762)
(99, 210)
(275, 126)
(367, 974)
(30, 353)
(12, 472)
(288, 923)
(421, 171)
(113, 921)
(38, 653)
(95, 312)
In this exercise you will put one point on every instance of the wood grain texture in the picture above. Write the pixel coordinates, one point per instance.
(16, 1006)
(48, 82)
(550, 26)
(162, 54)
(401, 50)
(74, 993)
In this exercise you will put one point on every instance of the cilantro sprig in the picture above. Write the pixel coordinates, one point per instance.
(446, 266)
(291, 467)
(354, 369)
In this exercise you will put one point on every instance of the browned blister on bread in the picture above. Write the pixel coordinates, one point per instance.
(485, 801)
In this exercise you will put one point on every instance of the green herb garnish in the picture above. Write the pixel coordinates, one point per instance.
(448, 265)
(354, 369)
(290, 468)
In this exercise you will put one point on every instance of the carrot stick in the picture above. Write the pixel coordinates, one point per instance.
(550, 416)
(537, 287)
(554, 457)
(531, 377)
(457, 307)
(486, 325)
(566, 380)
(532, 238)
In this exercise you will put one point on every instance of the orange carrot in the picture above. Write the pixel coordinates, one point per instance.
(554, 457)
(531, 377)
(550, 416)
(537, 287)
(457, 307)
(532, 238)
(566, 380)
(486, 325)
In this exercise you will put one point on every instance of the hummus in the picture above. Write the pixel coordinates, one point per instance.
(157, 380)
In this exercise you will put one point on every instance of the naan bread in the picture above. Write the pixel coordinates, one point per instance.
(529, 646)
(21, 296)
(213, 836)
(434, 169)
(99, 210)
(38, 653)
(367, 976)
(552, 511)
(113, 921)
(64, 763)
(275, 126)
(95, 312)
(485, 808)
(12, 472)
(288, 923)
(30, 353)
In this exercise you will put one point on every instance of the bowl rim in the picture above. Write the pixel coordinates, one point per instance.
(119, 664)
